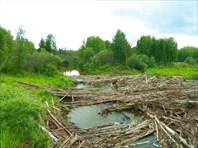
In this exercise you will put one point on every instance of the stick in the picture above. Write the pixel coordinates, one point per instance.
(58, 122)
(136, 144)
(50, 134)
(157, 133)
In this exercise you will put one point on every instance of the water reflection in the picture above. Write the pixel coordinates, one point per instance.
(88, 116)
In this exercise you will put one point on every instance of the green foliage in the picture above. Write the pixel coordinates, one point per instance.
(50, 44)
(183, 70)
(43, 62)
(20, 119)
(190, 61)
(112, 70)
(9, 138)
(140, 62)
(60, 81)
(85, 57)
(96, 43)
(42, 44)
(120, 48)
(103, 57)
(164, 50)
(145, 45)
(187, 51)
(69, 59)
(24, 48)
(7, 51)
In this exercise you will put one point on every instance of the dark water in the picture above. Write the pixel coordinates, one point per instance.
(88, 116)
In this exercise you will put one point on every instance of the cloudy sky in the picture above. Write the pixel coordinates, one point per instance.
(72, 21)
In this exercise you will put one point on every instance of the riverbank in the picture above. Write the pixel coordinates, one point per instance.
(23, 111)
(183, 70)
(168, 105)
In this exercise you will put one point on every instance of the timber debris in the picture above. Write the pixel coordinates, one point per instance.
(170, 105)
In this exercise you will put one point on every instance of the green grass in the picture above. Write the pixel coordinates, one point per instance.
(109, 70)
(21, 114)
(20, 118)
(185, 71)
(59, 81)
(55, 81)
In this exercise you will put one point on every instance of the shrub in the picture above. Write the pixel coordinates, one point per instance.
(103, 57)
(42, 62)
(140, 62)
(190, 61)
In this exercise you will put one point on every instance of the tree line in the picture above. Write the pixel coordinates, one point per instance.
(20, 54)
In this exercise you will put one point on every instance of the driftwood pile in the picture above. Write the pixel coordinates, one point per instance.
(170, 106)
(171, 103)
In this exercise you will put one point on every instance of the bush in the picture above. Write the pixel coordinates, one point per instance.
(43, 62)
(19, 116)
(190, 61)
(103, 57)
(140, 62)
(49, 69)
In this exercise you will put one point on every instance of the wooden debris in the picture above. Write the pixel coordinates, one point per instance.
(170, 102)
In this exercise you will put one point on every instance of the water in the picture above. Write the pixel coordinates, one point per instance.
(151, 138)
(89, 116)
(105, 87)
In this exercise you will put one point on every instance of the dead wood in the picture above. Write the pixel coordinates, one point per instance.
(170, 102)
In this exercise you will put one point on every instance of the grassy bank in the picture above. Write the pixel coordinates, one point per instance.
(21, 114)
(109, 70)
(185, 71)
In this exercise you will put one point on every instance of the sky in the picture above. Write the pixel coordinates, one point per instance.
(71, 22)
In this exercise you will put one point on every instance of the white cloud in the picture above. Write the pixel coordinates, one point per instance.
(72, 21)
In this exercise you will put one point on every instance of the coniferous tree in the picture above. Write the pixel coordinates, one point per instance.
(41, 44)
(120, 47)
(50, 44)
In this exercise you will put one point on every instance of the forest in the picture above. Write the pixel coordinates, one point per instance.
(94, 55)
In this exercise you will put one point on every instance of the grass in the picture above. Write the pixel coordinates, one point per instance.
(21, 114)
(109, 70)
(55, 81)
(183, 70)
(41, 80)
(20, 118)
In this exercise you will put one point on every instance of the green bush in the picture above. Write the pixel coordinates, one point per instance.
(140, 62)
(190, 61)
(20, 117)
(43, 62)
(104, 57)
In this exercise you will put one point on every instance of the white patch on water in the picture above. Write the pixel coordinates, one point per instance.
(71, 73)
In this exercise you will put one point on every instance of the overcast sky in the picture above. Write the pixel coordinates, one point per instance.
(72, 21)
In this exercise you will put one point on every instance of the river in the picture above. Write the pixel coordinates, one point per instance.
(86, 117)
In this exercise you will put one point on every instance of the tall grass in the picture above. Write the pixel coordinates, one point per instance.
(183, 70)
(20, 117)
(55, 81)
